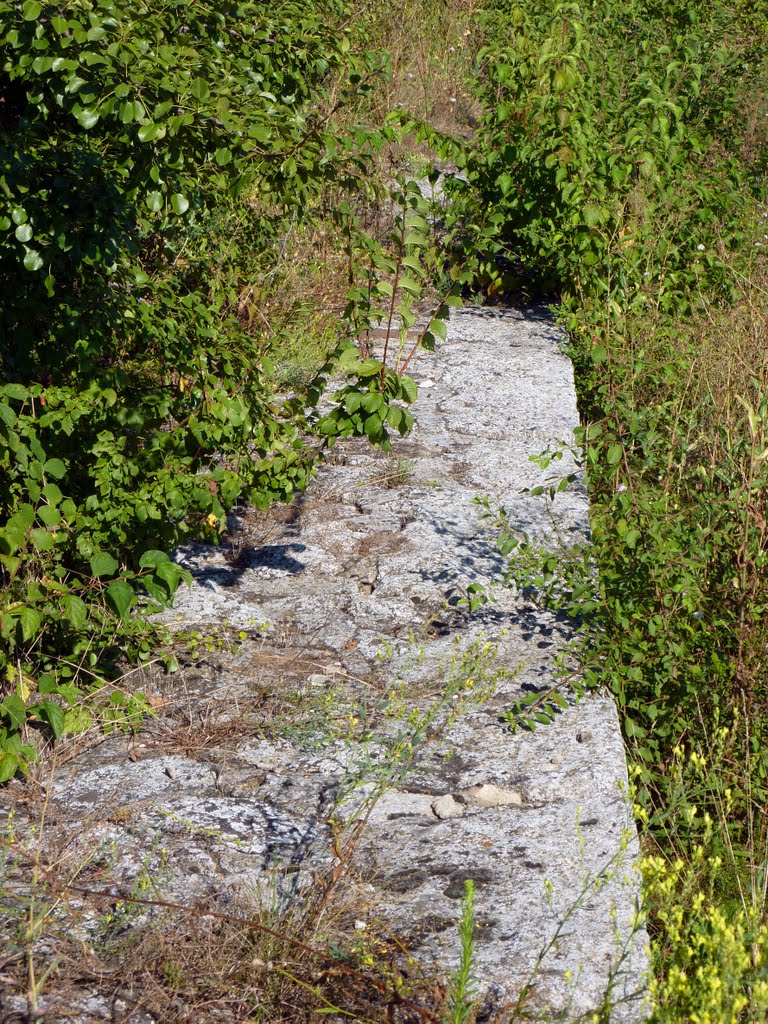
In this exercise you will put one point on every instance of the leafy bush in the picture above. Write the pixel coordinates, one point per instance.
(607, 154)
(620, 165)
(152, 158)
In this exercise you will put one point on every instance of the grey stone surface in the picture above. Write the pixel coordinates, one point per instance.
(350, 598)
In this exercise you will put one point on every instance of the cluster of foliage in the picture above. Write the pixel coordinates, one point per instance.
(153, 159)
(619, 163)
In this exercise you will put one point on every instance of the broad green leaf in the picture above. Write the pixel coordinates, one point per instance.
(614, 455)
(29, 619)
(154, 201)
(410, 284)
(505, 183)
(373, 425)
(120, 596)
(416, 239)
(11, 562)
(200, 89)
(179, 203)
(87, 118)
(52, 493)
(170, 574)
(372, 402)
(33, 260)
(9, 765)
(103, 564)
(128, 112)
(49, 515)
(593, 214)
(413, 265)
(74, 85)
(395, 416)
(31, 10)
(408, 389)
(24, 232)
(150, 132)
(54, 468)
(368, 368)
(14, 709)
(42, 539)
(75, 610)
(150, 559)
(439, 328)
(76, 719)
(52, 714)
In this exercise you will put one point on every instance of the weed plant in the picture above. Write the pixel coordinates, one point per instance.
(619, 163)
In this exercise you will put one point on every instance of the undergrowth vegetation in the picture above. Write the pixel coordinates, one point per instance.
(619, 164)
(158, 170)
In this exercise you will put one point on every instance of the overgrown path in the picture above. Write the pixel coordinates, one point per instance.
(358, 735)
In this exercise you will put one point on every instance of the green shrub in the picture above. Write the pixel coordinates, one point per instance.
(153, 158)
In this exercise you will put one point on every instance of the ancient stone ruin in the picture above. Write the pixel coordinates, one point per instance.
(360, 728)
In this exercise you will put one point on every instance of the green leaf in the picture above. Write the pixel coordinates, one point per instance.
(150, 559)
(52, 493)
(103, 564)
(29, 620)
(170, 573)
(128, 112)
(31, 10)
(75, 610)
(439, 328)
(76, 720)
(24, 232)
(614, 454)
(395, 416)
(179, 203)
(42, 539)
(200, 89)
(52, 714)
(150, 132)
(154, 201)
(11, 563)
(49, 515)
(593, 214)
(410, 285)
(16, 392)
(368, 368)
(408, 389)
(120, 596)
(87, 118)
(373, 426)
(54, 468)
(9, 765)
(14, 709)
(33, 260)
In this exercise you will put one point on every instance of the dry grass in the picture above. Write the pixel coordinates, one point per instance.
(432, 46)
(733, 360)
